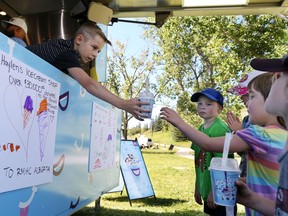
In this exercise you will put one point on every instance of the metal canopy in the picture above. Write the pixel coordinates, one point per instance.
(160, 9)
(150, 8)
(145, 8)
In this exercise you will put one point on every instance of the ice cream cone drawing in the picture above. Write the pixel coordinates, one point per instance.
(18, 107)
(43, 123)
(28, 108)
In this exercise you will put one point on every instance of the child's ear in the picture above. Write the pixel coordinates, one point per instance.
(220, 108)
(79, 38)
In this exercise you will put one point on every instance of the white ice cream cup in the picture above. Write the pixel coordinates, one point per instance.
(149, 97)
(223, 181)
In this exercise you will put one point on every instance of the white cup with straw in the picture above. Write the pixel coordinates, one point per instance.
(224, 172)
(147, 96)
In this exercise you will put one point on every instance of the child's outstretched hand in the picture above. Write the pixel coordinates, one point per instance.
(133, 106)
(170, 115)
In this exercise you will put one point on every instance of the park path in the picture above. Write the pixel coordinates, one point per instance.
(184, 152)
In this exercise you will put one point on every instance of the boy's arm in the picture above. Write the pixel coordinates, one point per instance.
(212, 144)
(197, 195)
(95, 88)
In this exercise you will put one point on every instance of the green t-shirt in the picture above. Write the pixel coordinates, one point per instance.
(202, 159)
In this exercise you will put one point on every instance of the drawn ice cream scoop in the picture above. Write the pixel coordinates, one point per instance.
(28, 108)
(43, 123)
(133, 163)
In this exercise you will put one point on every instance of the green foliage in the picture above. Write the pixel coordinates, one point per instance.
(188, 110)
(177, 135)
(145, 127)
(127, 74)
(134, 131)
(213, 51)
(158, 124)
(194, 53)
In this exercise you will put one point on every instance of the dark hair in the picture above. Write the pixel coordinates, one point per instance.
(262, 84)
(92, 29)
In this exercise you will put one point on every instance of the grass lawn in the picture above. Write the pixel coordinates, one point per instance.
(172, 178)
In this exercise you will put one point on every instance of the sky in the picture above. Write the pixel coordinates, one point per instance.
(123, 32)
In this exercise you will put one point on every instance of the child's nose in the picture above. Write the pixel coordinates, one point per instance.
(95, 54)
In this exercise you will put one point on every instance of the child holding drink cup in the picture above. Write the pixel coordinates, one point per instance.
(276, 104)
(263, 140)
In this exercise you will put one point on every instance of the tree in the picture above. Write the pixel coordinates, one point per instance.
(135, 130)
(177, 135)
(145, 128)
(157, 125)
(127, 74)
(214, 51)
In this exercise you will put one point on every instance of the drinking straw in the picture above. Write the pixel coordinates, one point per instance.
(228, 138)
(147, 85)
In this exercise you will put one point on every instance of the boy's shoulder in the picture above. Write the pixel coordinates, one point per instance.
(62, 42)
(219, 124)
(217, 120)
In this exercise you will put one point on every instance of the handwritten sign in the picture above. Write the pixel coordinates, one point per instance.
(28, 115)
(103, 142)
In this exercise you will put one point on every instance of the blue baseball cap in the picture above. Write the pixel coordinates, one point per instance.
(210, 93)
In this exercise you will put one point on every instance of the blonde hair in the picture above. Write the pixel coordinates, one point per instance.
(91, 29)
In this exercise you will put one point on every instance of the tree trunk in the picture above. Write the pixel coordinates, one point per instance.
(125, 125)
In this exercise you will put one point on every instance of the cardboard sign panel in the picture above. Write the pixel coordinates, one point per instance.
(134, 171)
(28, 114)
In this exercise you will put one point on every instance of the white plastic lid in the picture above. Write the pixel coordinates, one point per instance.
(230, 165)
(146, 94)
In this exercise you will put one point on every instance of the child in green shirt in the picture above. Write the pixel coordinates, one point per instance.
(209, 106)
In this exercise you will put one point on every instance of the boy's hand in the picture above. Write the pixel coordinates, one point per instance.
(210, 201)
(170, 115)
(197, 197)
